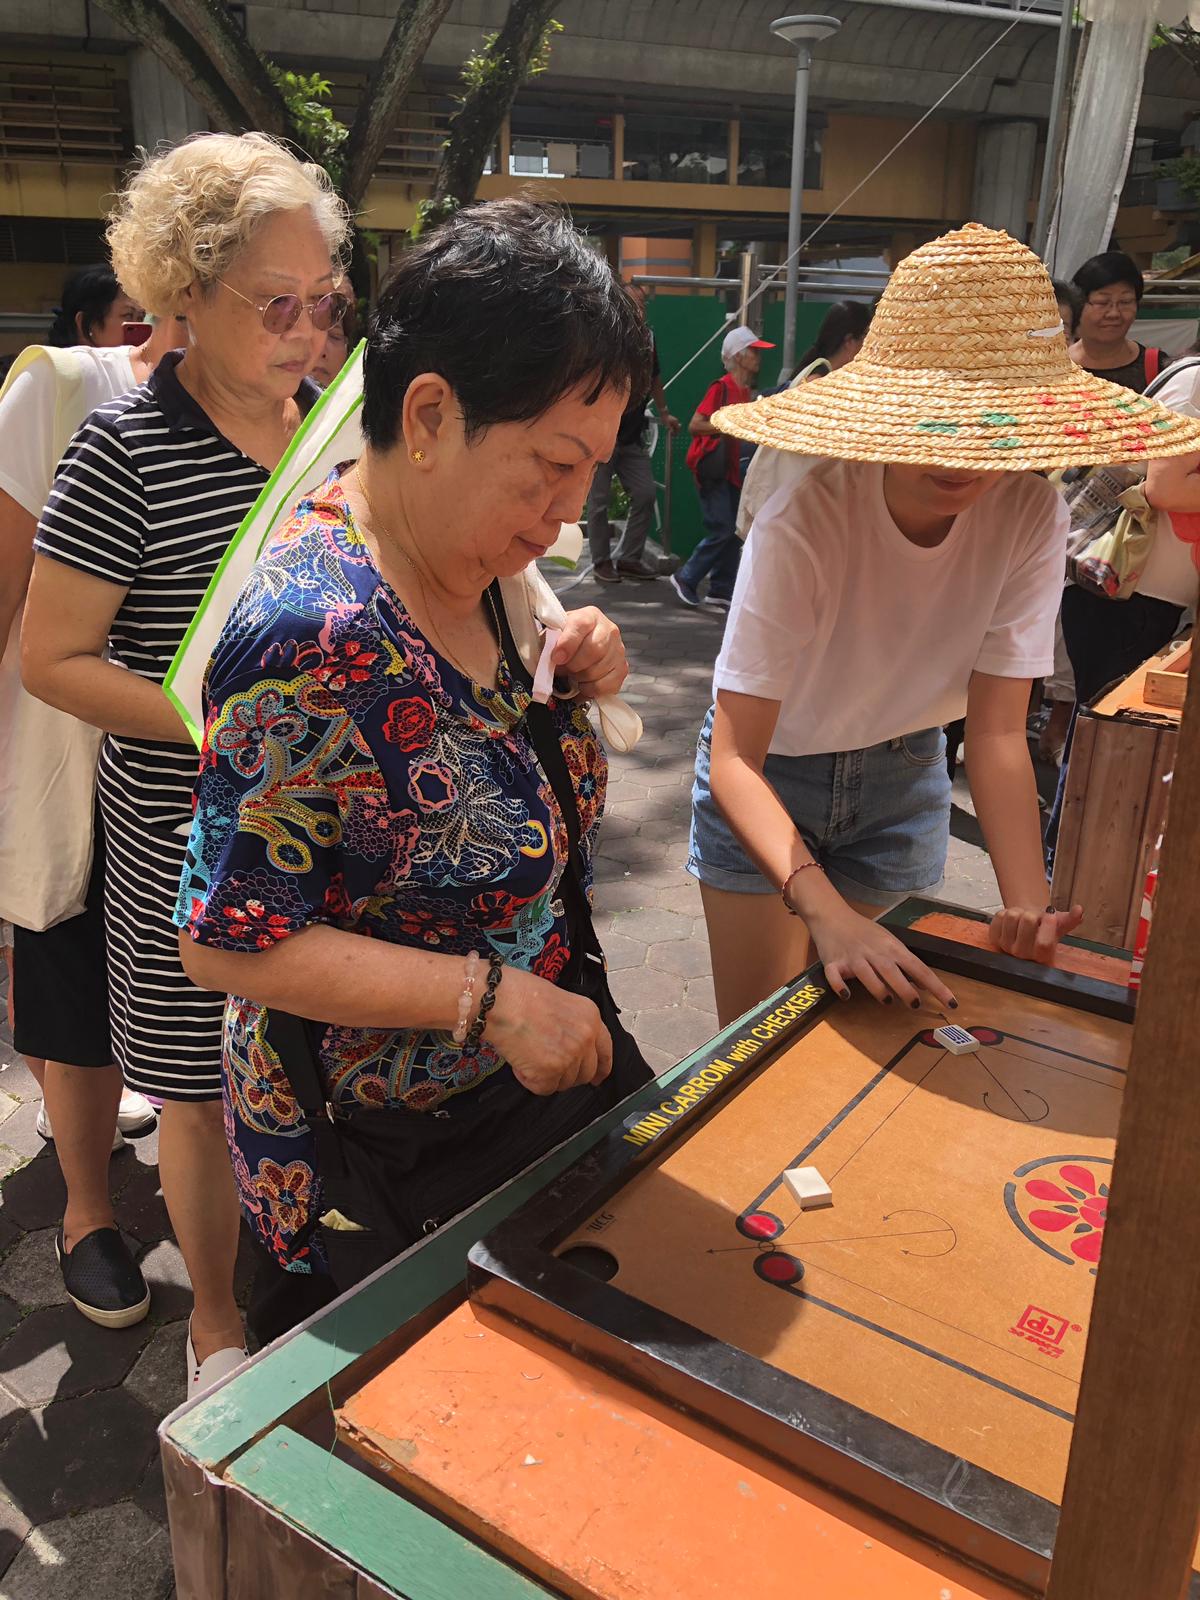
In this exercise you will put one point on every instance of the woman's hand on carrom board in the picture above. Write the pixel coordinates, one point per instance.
(591, 653)
(853, 946)
(1033, 933)
(552, 1039)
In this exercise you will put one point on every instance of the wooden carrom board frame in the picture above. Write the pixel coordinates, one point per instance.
(516, 1272)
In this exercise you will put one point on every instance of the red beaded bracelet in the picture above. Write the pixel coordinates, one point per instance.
(787, 883)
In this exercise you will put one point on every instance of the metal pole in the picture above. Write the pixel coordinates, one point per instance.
(664, 533)
(744, 273)
(1062, 61)
(795, 211)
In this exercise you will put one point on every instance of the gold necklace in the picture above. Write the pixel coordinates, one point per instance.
(416, 571)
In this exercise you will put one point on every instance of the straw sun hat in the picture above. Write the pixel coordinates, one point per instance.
(966, 366)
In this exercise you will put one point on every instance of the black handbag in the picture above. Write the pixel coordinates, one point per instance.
(390, 1175)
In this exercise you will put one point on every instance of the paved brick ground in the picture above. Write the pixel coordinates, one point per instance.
(81, 1500)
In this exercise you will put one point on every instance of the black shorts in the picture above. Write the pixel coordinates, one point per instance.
(60, 983)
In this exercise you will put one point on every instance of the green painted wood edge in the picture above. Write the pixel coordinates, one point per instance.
(393, 1540)
(216, 1428)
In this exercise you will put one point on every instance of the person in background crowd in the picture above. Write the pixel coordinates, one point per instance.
(1106, 640)
(405, 862)
(1111, 287)
(94, 310)
(339, 341)
(839, 339)
(630, 462)
(716, 462)
(1070, 303)
(58, 985)
(242, 239)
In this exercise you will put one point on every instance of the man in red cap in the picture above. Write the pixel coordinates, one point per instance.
(717, 463)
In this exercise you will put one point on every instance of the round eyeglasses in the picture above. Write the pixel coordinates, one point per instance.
(281, 314)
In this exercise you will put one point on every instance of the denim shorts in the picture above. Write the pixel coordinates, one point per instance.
(878, 820)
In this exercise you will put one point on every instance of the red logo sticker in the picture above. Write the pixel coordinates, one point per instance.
(1044, 1330)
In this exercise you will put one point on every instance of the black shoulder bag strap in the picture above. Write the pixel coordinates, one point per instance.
(543, 735)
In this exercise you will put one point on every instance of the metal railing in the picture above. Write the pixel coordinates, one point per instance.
(54, 112)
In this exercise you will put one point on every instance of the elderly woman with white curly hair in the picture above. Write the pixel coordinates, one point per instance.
(242, 241)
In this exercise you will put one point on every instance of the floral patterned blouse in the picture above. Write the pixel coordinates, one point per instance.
(350, 775)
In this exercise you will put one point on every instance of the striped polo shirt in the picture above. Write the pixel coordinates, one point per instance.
(147, 497)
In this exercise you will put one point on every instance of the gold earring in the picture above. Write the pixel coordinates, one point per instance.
(417, 455)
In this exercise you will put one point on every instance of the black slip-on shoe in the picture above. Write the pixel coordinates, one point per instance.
(102, 1279)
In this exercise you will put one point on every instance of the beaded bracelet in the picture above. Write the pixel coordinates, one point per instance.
(787, 883)
(466, 1000)
(495, 973)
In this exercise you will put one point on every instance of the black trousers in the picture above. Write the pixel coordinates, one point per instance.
(1108, 639)
(279, 1299)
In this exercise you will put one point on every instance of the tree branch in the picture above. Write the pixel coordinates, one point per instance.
(153, 25)
(416, 23)
(498, 73)
(211, 23)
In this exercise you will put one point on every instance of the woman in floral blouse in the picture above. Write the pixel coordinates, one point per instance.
(370, 808)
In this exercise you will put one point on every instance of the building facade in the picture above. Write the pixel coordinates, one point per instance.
(664, 124)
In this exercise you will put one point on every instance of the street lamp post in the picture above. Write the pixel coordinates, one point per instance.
(802, 32)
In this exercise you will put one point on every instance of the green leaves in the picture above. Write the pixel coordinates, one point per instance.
(317, 129)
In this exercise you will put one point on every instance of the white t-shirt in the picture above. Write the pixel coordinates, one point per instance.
(861, 635)
(1170, 572)
(28, 458)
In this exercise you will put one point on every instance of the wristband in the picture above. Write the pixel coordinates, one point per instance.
(495, 973)
(466, 1000)
(787, 884)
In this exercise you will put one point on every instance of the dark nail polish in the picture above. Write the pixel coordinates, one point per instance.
(843, 994)
(1050, 910)
(954, 1005)
(887, 999)
(915, 1004)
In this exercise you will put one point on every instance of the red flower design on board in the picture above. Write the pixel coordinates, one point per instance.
(1079, 1202)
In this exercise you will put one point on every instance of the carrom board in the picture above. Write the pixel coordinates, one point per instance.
(917, 1345)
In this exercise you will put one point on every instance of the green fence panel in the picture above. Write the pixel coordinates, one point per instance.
(682, 323)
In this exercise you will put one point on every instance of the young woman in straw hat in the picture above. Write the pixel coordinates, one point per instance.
(906, 574)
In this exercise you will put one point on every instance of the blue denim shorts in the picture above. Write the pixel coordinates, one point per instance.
(878, 820)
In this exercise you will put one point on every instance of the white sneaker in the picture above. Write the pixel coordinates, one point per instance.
(135, 1114)
(45, 1131)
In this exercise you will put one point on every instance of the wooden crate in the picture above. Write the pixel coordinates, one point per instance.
(1115, 806)
(1166, 680)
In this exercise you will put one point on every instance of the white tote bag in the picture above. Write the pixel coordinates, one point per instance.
(332, 433)
(47, 758)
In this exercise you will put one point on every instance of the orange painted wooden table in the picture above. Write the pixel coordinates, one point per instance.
(606, 1494)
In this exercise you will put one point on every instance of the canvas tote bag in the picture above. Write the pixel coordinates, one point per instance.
(47, 758)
